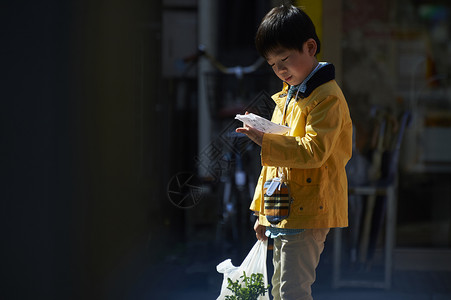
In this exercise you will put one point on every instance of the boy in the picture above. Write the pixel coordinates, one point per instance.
(310, 160)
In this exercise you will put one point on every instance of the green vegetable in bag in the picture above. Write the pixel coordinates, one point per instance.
(249, 289)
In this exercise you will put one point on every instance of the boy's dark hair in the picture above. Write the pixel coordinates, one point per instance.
(285, 26)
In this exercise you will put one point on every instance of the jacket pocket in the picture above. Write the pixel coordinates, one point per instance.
(308, 191)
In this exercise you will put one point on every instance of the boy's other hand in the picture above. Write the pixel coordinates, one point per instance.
(255, 135)
(260, 231)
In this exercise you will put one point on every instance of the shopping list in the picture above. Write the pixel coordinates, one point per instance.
(262, 124)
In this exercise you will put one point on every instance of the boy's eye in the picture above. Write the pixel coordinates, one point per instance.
(284, 59)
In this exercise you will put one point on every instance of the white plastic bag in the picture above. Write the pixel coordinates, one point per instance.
(255, 262)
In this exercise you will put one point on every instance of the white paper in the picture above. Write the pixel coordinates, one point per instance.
(262, 124)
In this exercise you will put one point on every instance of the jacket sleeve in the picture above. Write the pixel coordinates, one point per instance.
(322, 127)
(257, 199)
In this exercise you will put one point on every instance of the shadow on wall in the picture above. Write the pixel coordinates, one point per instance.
(81, 205)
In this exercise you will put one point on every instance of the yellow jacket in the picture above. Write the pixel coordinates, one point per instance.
(313, 156)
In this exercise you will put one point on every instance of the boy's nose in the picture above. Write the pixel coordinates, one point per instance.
(282, 70)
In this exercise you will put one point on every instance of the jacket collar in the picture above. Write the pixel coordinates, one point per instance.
(323, 75)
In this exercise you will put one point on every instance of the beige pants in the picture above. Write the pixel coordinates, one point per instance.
(295, 259)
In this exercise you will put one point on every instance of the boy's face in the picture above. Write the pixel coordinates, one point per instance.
(291, 65)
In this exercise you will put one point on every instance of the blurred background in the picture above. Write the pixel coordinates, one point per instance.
(122, 177)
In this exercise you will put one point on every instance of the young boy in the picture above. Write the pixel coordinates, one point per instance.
(310, 160)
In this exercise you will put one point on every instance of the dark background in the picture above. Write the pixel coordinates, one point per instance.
(77, 201)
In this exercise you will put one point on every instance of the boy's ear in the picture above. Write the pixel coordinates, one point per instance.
(311, 46)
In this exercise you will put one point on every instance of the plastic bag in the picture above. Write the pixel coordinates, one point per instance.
(255, 262)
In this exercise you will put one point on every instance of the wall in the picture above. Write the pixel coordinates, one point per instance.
(83, 121)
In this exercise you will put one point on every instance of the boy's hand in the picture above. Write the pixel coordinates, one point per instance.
(255, 135)
(260, 231)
